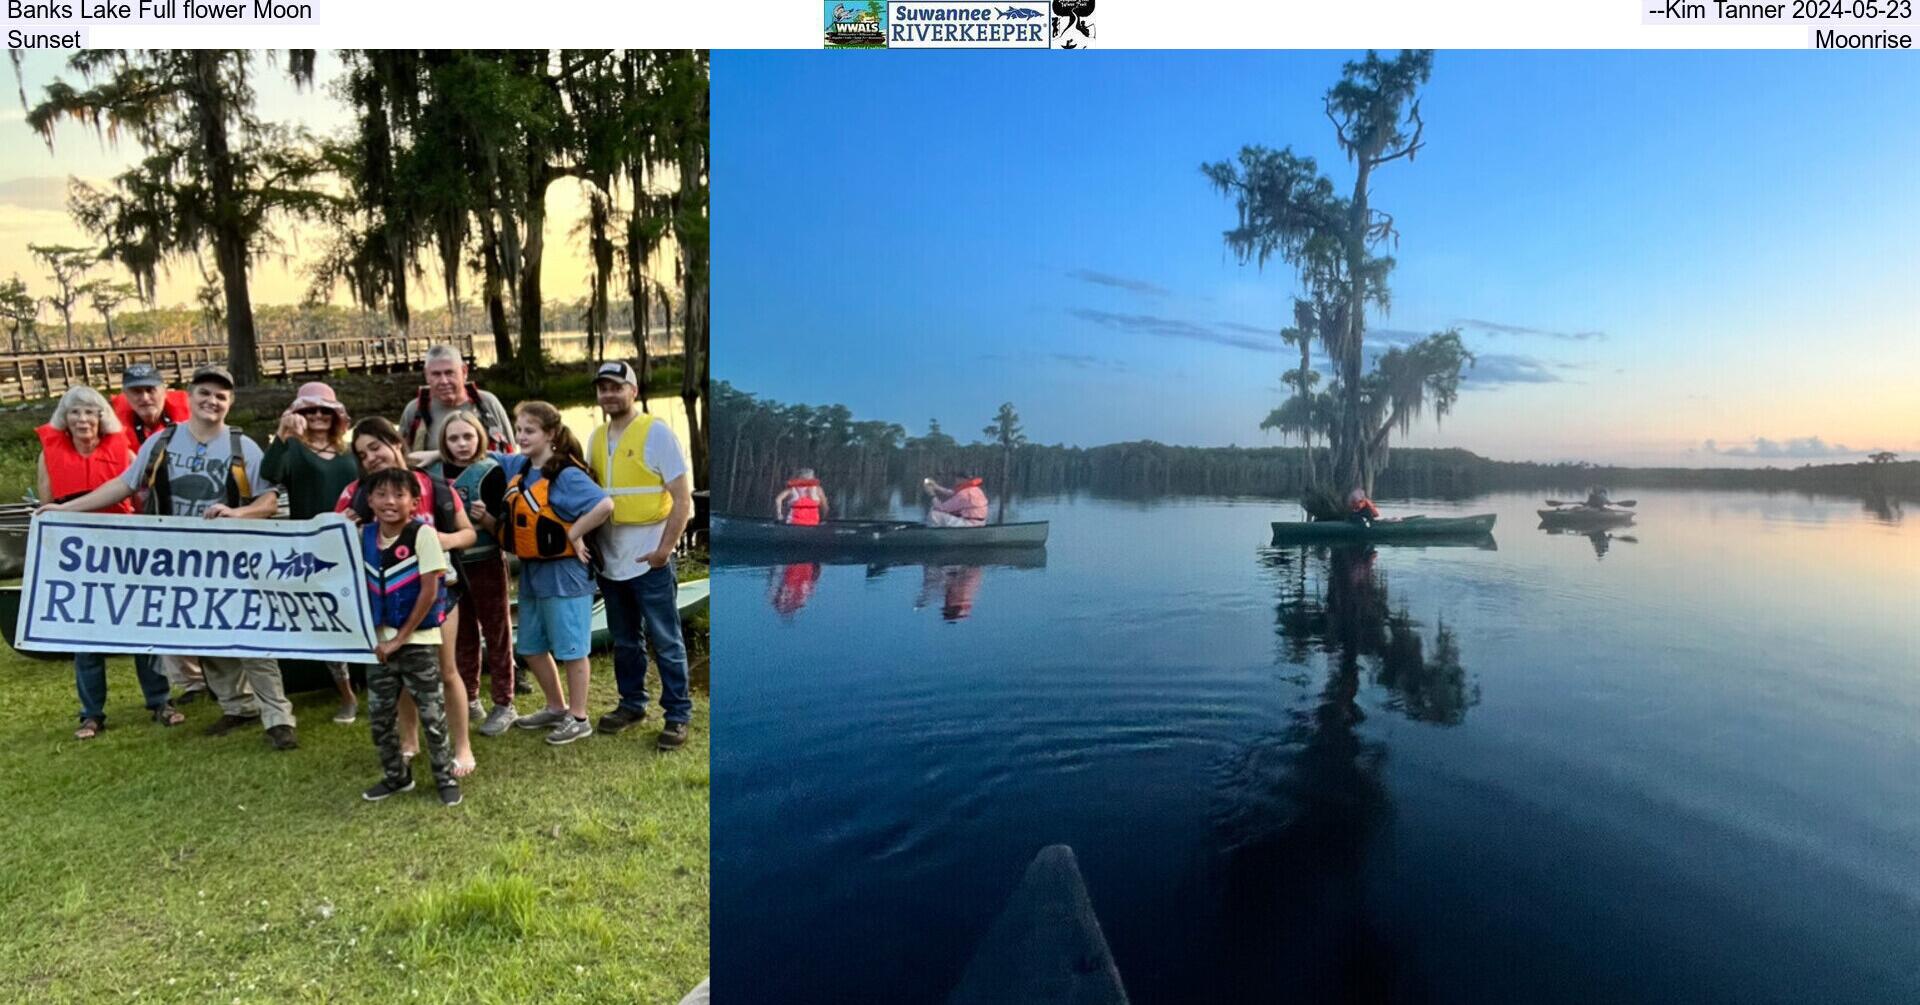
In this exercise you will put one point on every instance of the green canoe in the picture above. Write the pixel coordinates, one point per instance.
(1411, 528)
(1584, 518)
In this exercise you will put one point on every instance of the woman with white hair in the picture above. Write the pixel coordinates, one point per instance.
(81, 449)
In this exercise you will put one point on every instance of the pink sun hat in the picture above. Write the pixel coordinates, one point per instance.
(315, 394)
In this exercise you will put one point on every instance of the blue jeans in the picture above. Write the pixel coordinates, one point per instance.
(648, 600)
(90, 680)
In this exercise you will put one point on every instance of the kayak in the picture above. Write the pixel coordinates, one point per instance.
(1408, 528)
(1585, 518)
(871, 535)
(1046, 946)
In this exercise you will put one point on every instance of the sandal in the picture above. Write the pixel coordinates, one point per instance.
(462, 769)
(89, 728)
(167, 715)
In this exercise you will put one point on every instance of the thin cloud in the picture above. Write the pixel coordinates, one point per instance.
(1803, 447)
(39, 193)
(1149, 324)
(1493, 369)
(1497, 328)
(1079, 361)
(1140, 286)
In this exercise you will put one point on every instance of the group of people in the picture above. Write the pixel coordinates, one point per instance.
(439, 500)
(803, 503)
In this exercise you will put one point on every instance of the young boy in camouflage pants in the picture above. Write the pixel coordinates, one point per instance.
(404, 567)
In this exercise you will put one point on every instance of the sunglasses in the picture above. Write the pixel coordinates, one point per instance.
(328, 412)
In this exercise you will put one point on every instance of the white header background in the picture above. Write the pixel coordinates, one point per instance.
(1121, 24)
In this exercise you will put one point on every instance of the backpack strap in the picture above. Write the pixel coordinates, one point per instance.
(421, 413)
(158, 483)
(239, 486)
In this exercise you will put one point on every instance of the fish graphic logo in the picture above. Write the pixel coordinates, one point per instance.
(1021, 13)
(298, 563)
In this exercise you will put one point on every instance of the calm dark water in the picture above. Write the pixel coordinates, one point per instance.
(1687, 769)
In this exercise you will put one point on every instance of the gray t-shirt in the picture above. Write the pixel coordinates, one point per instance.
(427, 437)
(197, 472)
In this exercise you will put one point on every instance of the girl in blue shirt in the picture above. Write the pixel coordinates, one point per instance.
(552, 505)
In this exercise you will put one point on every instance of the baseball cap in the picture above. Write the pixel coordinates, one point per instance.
(141, 375)
(213, 372)
(616, 370)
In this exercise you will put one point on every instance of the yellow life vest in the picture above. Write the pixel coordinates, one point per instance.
(639, 496)
(534, 530)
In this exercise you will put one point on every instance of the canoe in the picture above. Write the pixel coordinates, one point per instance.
(1411, 528)
(1583, 518)
(873, 535)
(1046, 947)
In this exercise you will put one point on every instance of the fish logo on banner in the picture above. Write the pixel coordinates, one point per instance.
(966, 24)
(1072, 24)
(860, 24)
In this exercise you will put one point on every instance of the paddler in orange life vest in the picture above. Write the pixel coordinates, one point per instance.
(963, 505)
(1360, 509)
(803, 504)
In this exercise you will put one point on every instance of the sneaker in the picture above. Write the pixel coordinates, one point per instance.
(499, 720)
(347, 713)
(521, 685)
(673, 736)
(228, 723)
(622, 718)
(546, 718)
(569, 731)
(449, 794)
(387, 787)
(282, 737)
(474, 711)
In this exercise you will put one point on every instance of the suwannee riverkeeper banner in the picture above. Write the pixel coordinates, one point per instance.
(152, 584)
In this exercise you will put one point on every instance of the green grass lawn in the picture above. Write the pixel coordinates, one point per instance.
(155, 864)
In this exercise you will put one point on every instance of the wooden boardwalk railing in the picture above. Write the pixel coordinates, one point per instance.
(34, 376)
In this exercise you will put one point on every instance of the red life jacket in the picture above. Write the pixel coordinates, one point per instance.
(804, 511)
(971, 483)
(71, 474)
(1365, 507)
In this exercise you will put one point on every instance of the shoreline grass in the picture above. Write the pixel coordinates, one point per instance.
(155, 864)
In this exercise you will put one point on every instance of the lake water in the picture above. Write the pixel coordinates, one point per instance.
(1680, 764)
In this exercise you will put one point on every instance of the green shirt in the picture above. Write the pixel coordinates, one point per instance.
(312, 483)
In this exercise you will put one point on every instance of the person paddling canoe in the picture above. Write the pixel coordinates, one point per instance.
(1360, 509)
(963, 505)
(804, 503)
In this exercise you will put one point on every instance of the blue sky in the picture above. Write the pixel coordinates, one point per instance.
(1649, 250)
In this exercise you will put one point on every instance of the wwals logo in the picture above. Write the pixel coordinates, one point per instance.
(856, 25)
(1072, 24)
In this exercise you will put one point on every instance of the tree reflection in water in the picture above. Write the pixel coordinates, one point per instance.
(1300, 807)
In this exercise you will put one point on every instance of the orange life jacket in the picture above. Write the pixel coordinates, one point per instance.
(804, 511)
(534, 530)
(71, 474)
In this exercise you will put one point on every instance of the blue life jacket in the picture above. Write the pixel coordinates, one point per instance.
(393, 578)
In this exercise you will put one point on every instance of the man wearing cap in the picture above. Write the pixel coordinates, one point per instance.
(203, 468)
(448, 391)
(638, 461)
(146, 405)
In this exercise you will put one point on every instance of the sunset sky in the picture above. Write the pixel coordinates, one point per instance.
(33, 192)
(1660, 258)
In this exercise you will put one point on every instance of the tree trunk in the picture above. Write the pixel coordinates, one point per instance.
(1351, 468)
(229, 240)
(539, 174)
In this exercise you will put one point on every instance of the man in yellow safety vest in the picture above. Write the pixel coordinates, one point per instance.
(638, 461)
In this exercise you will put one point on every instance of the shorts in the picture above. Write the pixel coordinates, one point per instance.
(562, 626)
